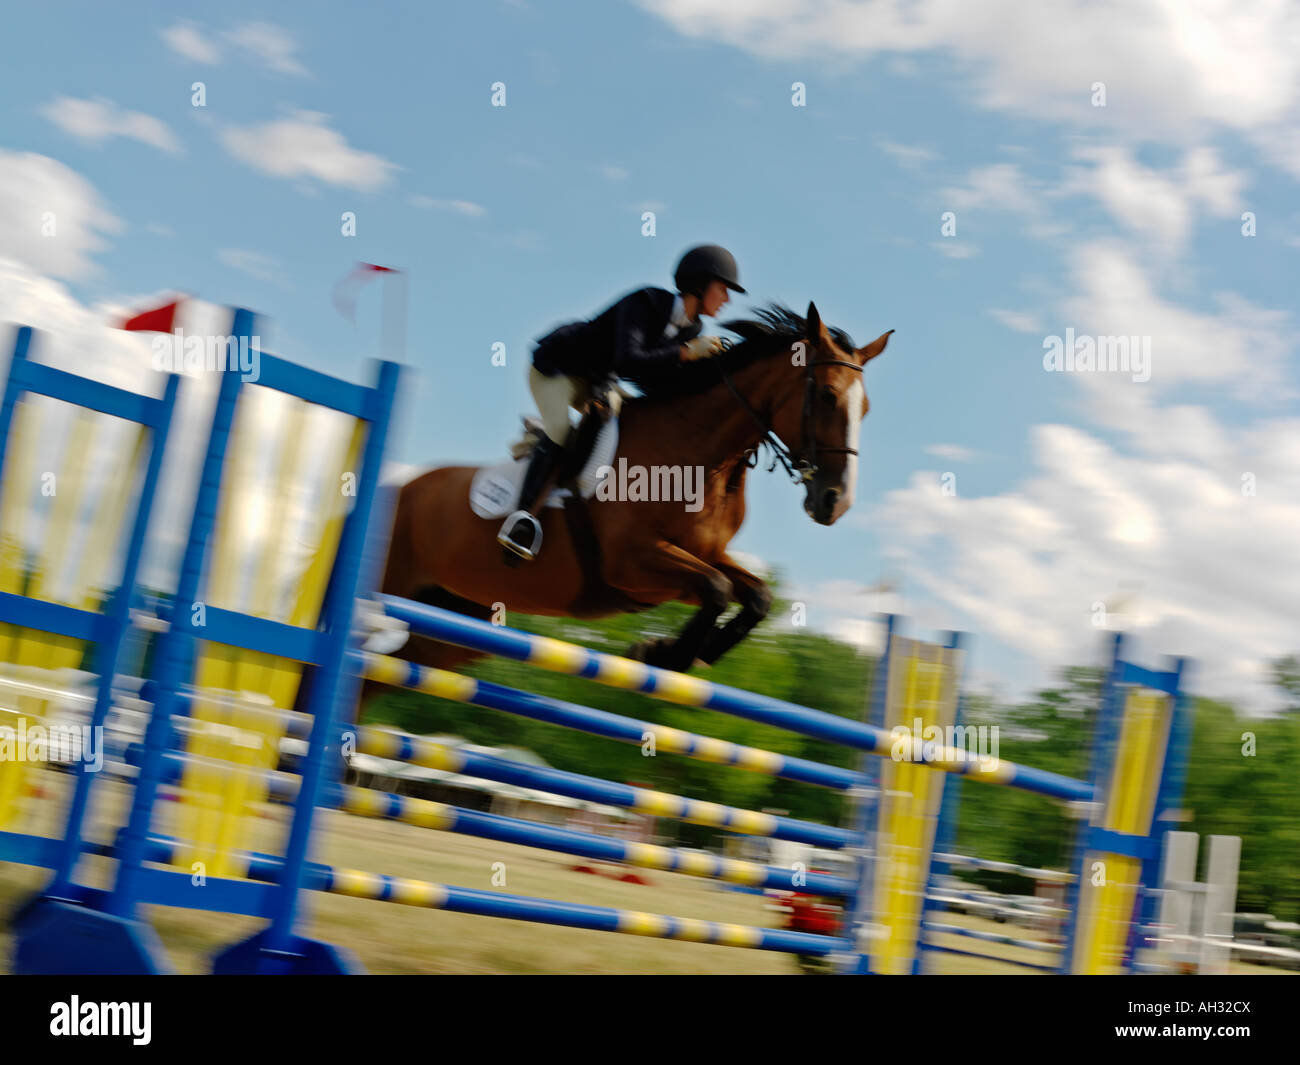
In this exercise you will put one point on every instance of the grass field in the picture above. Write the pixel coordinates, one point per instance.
(396, 939)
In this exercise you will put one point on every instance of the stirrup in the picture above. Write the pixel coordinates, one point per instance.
(508, 527)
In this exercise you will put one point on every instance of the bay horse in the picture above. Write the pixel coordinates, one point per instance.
(787, 379)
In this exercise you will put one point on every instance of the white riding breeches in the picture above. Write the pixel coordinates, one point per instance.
(555, 395)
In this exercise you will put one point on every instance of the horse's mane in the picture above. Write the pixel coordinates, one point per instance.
(772, 329)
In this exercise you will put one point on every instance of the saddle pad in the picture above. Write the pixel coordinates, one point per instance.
(494, 491)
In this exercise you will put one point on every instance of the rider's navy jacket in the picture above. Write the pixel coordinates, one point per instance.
(627, 339)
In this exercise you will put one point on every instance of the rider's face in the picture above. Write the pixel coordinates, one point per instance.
(714, 299)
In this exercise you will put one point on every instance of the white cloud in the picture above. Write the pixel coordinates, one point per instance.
(1207, 181)
(1018, 321)
(303, 145)
(254, 263)
(950, 452)
(81, 339)
(99, 120)
(997, 187)
(85, 340)
(1027, 566)
(1281, 147)
(863, 633)
(613, 173)
(72, 336)
(1158, 205)
(52, 219)
(269, 45)
(1171, 70)
(908, 155)
(192, 42)
(1242, 349)
(265, 44)
(955, 249)
(1158, 504)
(465, 207)
(756, 564)
(847, 610)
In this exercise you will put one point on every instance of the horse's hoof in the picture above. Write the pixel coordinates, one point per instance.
(662, 654)
(648, 651)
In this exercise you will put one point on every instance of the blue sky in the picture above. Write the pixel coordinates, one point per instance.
(1123, 219)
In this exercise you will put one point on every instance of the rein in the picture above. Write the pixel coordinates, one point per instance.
(801, 465)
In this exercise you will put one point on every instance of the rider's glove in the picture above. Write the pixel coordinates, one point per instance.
(702, 348)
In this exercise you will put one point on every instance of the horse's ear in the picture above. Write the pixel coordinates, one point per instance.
(816, 327)
(870, 351)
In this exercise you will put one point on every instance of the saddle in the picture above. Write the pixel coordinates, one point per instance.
(494, 489)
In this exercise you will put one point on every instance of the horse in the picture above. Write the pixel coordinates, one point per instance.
(787, 379)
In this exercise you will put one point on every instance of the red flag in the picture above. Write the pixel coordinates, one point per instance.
(346, 291)
(159, 320)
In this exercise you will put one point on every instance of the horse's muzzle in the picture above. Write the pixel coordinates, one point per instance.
(820, 504)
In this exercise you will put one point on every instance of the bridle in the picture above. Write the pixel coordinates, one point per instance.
(801, 465)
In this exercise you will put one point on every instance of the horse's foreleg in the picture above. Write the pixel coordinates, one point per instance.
(755, 601)
(668, 572)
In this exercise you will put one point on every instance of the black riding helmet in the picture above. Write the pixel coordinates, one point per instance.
(702, 264)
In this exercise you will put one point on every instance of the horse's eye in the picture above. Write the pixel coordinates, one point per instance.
(828, 397)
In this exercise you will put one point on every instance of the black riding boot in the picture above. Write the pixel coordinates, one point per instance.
(522, 532)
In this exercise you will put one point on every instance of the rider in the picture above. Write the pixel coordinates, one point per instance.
(643, 332)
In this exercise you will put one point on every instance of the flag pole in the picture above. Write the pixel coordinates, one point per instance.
(392, 328)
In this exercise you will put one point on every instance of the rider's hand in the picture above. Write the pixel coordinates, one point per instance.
(702, 348)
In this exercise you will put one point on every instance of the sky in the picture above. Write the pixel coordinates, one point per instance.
(982, 178)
